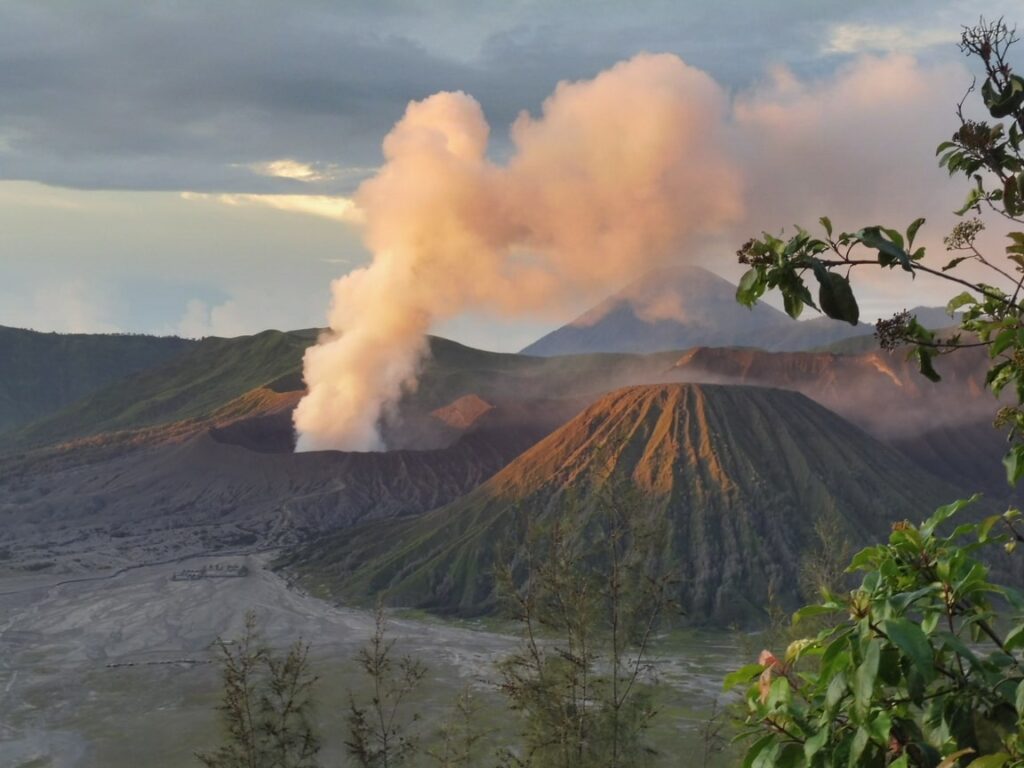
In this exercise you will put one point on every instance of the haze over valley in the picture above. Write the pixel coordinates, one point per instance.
(146, 511)
(488, 385)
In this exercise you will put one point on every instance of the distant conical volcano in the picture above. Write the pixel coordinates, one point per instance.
(737, 475)
(681, 307)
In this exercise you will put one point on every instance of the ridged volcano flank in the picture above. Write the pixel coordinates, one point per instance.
(740, 474)
(684, 306)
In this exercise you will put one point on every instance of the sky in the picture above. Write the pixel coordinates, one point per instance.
(188, 167)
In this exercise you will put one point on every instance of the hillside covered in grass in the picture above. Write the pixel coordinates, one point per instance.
(216, 376)
(209, 375)
(41, 373)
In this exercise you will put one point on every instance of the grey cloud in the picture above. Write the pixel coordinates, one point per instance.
(187, 94)
(185, 99)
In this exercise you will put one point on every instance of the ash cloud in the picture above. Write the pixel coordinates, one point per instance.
(642, 166)
(613, 178)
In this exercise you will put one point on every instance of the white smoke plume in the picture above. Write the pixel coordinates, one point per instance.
(613, 179)
(619, 175)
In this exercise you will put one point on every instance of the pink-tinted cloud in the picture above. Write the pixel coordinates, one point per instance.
(612, 179)
(647, 163)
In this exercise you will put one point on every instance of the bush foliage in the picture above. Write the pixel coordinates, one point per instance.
(919, 665)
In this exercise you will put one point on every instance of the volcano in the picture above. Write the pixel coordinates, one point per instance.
(681, 307)
(739, 476)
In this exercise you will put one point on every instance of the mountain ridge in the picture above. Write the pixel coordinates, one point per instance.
(44, 372)
(726, 466)
(685, 306)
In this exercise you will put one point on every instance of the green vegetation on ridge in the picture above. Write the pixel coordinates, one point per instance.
(41, 373)
(211, 374)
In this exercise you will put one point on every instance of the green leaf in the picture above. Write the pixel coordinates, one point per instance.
(860, 741)
(904, 600)
(811, 610)
(836, 299)
(960, 300)
(793, 304)
(889, 253)
(835, 692)
(791, 756)
(997, 760)
(1015, 639)
(780, 692)
(943, 513)
(742, 675)
(998, 376)
(1002, 341)
(767, 757)
(1014, 463)
(864, 679)
(986, 526)
(895, 237)
(971, 202)
(957, 646)
(826, 222)
(930, 622)
(814, 743)
(1005, 102)
(924, 361)
(912, 231)
(756, 749)
(864, 559)
(1010, 195)
(879, 728)
(751, 287)
(910, 639)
